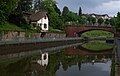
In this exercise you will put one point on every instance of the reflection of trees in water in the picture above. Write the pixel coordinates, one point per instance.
(68, 61)
(25, 67)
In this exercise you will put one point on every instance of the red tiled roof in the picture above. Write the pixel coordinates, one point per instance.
(37, 16)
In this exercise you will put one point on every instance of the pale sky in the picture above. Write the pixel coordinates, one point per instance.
(110, 7)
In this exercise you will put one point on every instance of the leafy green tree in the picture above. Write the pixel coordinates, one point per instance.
(113, 21)
(39, 5)
(118, 19)
(89, 19)
(65, 12)
(93, 19)
(6, 7)
(72, 16)
(82, 20)
(55, 20)
(17, 18)
(57, 9)
(107, 21)
(100, 21)
(24, 5)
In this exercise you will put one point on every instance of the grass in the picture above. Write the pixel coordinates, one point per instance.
(97, 33)
(10, 27)
(51, 29)
(97, 46)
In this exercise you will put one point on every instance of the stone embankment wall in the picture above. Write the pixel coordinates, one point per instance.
(13, 34)
(25, 47)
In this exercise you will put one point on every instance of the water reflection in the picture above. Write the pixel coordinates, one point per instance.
(67, 62)
(44, 59)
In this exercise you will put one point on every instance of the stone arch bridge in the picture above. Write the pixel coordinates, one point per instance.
(72, 31)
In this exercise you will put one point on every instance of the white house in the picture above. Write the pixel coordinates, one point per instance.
(40, 19)
(44, 59)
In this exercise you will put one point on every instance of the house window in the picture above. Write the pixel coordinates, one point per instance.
(45, 25)
(45, 57)
(40, 24)
(45, 17)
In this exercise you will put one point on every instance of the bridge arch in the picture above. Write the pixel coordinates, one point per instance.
(79, 34)
(72, 31)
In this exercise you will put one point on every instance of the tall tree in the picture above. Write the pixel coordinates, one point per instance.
(82, 20)
(55, 20)
(71, 16)
(80, 11)
(89, 19)
(93, 20)
(6, 7)
(24, 5)
(65, 11)
(16, 17)
(113, 21)
(57, 9)
(107, 21)
(100, 21)
(118, 19)
(39, 5)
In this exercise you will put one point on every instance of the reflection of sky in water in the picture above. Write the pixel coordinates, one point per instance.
(87, 69)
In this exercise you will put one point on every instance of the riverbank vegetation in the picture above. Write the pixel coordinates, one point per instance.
(10, 27)
(97, 33)
(97, 46)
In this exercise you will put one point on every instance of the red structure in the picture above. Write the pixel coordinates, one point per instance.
(72, 31)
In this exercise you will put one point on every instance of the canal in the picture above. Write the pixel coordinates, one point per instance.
(79, 59)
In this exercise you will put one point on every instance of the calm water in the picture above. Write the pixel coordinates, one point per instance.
(71, 61)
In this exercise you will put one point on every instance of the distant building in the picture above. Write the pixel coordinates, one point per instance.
(104, 16)
(40, 19)
(97, 16)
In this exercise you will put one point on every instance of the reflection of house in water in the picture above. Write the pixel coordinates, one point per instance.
(44, 59)
(38, 65)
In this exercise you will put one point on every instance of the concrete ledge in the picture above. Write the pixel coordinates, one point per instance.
(22, 47)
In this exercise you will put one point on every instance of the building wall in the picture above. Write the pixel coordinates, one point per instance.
(43, 21)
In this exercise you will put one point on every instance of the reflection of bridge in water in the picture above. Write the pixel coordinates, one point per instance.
(83, 52)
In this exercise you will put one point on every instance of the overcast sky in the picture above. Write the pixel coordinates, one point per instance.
(110, 7)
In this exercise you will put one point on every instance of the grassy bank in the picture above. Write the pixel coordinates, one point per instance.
(97, 46)
(10, 27)
(97, 33)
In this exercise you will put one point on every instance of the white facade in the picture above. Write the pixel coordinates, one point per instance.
(43, 23)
